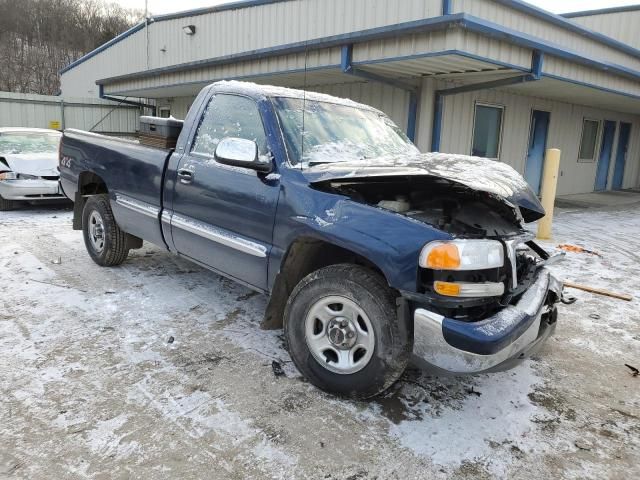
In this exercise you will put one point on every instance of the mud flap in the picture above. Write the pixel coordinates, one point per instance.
(78, 207)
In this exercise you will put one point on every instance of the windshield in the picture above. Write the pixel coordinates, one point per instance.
(27, 142)
(338, 133)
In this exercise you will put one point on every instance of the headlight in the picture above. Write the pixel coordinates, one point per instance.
(8, 176)
(462, 255)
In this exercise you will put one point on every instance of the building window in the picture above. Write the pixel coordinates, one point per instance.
(589, 140)
(229, 116)
(487, 131)
(165, 112)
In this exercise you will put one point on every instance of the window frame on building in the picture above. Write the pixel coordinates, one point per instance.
(166, 110)
(596, 143)
(495, 106)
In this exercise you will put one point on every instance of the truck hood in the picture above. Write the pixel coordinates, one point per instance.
(38, 164)
(476, 173)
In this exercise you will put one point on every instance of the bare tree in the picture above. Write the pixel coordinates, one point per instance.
(40, 37)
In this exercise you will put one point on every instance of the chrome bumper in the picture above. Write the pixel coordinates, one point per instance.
(431, 346)
(31, 190)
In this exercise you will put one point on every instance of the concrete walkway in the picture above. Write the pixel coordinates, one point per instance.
(609, 198)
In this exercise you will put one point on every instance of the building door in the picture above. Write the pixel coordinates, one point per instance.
(621, 155)
(537, 145)
(606, 150)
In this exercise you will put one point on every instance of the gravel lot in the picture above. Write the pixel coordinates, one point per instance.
(158, 369)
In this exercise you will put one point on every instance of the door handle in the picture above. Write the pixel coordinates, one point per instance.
(185, 176)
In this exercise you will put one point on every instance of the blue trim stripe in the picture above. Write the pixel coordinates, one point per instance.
(446, 6)
(590, 85)
(346, 65)
(601, 11)
(561, 21)
(459, 53)
(468, 22)
(499, 32)
(218, 8)
(438, 112)
(103, 47)
(170, 16)
(417, 26)
(536, 64)
(346, 58)
(204, 83)
(412, 122)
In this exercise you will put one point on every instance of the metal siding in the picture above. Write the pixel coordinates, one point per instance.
(522, 22)
(179, 105)
(622, 26)
(392, 101)
(242, 30)
(126, 56)
(440, 41)
(584, 74)
(266, 66)
(36, 111)
(564, 133)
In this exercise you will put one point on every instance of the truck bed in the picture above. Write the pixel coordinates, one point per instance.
(132, 172)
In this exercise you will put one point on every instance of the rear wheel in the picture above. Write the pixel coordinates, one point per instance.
(105, 242)
(343, 331)
(6, 205)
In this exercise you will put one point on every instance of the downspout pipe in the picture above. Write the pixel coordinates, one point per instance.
(534, 75)
(103, 96)
(347, 66)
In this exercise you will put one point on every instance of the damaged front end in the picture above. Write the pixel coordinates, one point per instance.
(484, 300)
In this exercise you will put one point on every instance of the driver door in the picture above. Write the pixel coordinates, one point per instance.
(223, 216)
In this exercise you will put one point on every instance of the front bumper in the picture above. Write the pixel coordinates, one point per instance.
(30, 190)
(497, 343)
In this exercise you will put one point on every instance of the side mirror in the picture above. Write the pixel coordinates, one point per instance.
(239, 152)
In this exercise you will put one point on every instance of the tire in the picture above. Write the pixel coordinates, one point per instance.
(360, 294)
(107, 245)
(6, 205)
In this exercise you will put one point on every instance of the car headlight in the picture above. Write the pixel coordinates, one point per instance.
(8, 176)
(462, 255)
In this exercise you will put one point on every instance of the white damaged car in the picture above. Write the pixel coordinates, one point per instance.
(28, 166)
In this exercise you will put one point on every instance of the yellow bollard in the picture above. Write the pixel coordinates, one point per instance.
(549, 186)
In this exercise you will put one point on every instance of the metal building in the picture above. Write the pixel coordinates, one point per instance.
(58, 113)
(496, 78)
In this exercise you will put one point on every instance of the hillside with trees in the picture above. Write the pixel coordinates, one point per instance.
(40, 37)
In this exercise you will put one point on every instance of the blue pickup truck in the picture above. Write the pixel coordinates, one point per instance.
(371, 253)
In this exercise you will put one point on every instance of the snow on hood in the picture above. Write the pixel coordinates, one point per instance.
(477, 173)
(38, 164)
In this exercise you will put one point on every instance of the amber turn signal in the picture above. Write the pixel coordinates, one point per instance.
(447, 289)
(443, 257)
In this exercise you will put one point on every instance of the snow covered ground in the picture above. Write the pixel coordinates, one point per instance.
(158, 369)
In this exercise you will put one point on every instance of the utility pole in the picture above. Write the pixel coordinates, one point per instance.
(146, 27)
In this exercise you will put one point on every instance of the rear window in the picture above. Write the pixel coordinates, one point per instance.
(26, 142)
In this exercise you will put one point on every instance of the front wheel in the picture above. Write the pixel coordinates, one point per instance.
(105, 242)
(344, 333)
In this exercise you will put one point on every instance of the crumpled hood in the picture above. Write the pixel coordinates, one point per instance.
(477, 173)
(38, 164)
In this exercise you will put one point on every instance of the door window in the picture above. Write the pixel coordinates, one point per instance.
(487, 131)
(229, 116)
(589, 140)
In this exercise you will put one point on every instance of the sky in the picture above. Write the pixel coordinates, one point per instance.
(556, 6)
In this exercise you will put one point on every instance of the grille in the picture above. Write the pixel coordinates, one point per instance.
(51, 178)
